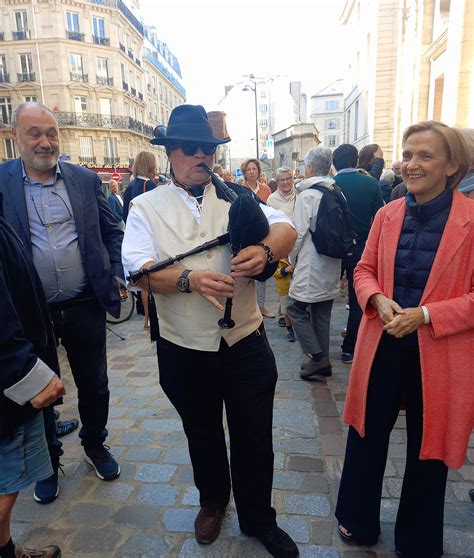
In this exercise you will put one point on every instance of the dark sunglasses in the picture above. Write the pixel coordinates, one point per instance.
(189, 148)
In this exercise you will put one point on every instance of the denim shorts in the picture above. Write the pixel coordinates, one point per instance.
(24, 458)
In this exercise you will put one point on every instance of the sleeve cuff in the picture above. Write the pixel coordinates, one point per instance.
(32, 384)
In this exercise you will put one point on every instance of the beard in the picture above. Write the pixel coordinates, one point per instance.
(40, 160)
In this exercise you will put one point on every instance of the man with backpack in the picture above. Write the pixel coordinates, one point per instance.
(316, 276)
(364, 199)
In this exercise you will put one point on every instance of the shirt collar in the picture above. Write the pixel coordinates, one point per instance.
(57, 174)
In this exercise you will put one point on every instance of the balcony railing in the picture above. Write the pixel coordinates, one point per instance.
(133, 91)
(20, 35)
(124, 85)
(103, 80)
(122, 47)
(130, 54)
(89, 159)
(106, 121)
(112, 161)
(75, 36)
(28, 76)
(140, 96)
(4, 78)
(101, 40)
(75, 76)
(2, 36)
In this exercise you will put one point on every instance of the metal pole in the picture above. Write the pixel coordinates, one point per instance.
(40, 75)
(256, 118)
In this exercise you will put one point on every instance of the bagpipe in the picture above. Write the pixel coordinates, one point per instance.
(247, 226)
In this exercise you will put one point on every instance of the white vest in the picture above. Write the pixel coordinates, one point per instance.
(187, 319)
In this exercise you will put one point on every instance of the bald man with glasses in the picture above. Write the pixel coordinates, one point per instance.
(63, 219)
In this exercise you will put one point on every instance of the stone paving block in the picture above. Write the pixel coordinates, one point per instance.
(467, 472)
(315, 484)
(329, 425)
(461, 490)
(155, 472)
(73, 488)
(306, 505)
(316, 551)
(127, 471)
(322, 531)
(142, 454)
(26, 509)
(85, 513)
(191, 496)
(278, 460)
(137, 438)
(179, 519)
(321, 392)
(162, 425)
(292, 417)
(326, 408)
(394, 486)
(332, 444)
(144, 412)
(137, 515)
(103, 541)
(459, 542)
(116, 412)
(120, 424)
(184, 475)
(305, 463)
(298, 529)
(245, 547)
(334, 467)
(117, 490)
(290, 405)
(459, 515)
(178, 456)
(158, 494)
(298, 445)
(140, 401)
(363, 554)
(388, 510)
(145, 545)
(192, 549)
(287, 480)
(295, 431)
(43, 536)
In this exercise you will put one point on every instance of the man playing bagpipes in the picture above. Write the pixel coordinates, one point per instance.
(206, 360)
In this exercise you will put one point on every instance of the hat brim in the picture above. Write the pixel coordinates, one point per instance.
(166, 140)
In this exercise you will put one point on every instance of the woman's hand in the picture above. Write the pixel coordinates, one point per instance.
(378, 154)
(403, 324)
(210, 284)
(386, 307)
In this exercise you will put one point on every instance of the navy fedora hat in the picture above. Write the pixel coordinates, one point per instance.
(186, 123)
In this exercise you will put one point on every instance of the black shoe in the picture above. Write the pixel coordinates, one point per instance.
(281, 322)
(65, 427)
(106, 468)
(277, 542)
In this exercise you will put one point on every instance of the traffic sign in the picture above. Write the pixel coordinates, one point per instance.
(115, 176)
(238, 173)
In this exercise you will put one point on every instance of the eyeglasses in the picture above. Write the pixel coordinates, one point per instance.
(61, 221)
(189, 148)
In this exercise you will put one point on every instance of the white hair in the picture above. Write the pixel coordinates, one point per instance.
(320, 159)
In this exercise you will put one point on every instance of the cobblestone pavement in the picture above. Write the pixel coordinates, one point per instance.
(149, 511)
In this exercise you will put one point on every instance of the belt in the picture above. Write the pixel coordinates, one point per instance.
(86, 295)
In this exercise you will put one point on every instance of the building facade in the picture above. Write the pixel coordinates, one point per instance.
(106, 76)
(327, 114)
(292, 144)
(411, 60)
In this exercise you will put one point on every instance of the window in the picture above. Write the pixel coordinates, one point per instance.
(9, 148)
(123, 72)
(31, 99)
(98, 26)
(263, 107)
(263, 123)
(263, 93)
(332, 124)
(5, 109)
(72, 22)
(21, 22)
(331, 141)
(3, 68)
(348, 126)
(75, 62)
(80, 104)
(26, 64)
(86, 150)
(131, 78)
(110, 147)
(332, 105)
(356, 120)
(103, 67)
(105, 106)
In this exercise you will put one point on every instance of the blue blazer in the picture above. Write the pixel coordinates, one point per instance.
(116, 206)
(100, 237)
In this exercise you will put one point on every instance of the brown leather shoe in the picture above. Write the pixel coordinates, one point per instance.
(313, 368)
(207, 525)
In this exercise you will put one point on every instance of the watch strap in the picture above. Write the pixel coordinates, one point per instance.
(267, 250)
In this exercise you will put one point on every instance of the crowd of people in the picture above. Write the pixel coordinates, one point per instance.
(65, 248)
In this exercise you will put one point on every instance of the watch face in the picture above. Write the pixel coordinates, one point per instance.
(182, 284)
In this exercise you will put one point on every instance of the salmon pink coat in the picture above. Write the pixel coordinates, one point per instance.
(446, 344)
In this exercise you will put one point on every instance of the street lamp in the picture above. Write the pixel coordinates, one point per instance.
(254, 89)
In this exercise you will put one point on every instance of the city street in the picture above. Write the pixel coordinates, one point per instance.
(149, 511)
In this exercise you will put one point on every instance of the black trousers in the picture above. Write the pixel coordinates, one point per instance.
(243, 378)
(80, 327)
(395, 377)
(355, 312)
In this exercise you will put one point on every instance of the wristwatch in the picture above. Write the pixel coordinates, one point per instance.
(268, 251)
(182, 284)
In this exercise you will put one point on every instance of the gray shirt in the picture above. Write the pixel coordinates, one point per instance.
(56, 252)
